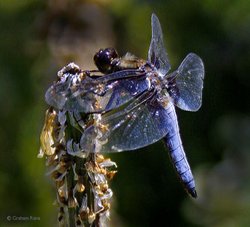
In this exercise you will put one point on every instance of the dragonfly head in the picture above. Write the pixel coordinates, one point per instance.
(106, 59)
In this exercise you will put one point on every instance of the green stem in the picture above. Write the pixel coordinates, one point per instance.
(71, 210)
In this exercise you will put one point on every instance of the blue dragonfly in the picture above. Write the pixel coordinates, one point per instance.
(133, 104)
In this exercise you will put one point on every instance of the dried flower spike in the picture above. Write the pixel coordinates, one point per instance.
(81, 177)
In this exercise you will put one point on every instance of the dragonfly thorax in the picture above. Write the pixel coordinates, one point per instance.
(156, 81)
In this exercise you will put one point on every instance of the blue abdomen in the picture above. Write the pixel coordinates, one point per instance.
(177, 153)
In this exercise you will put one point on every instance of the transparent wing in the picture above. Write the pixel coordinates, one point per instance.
(96, 95)
(186, 83)
(157, 53)
(144, 121)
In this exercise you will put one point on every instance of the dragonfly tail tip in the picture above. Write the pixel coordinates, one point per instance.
(193, 193)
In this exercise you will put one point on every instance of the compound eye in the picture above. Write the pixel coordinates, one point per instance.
(111, 52)
(103, 59)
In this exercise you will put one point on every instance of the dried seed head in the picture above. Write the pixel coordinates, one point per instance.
(80, 187)
(61, 200)
(101, 170)
(111, 174)
(108, 194)
(51, 160)
(105, 204)
(41, 153)
(104, 187)
(46, 137)
(84, 214)
(62, 191)
(84, 205)
(63, 168)
(59, 183)
(99, 158)
(78, 220)
(71, 68)
(65, 158)
(107, 163)
(55, 175)
(100, 193)
(72, 202)
(61, 216)
(91, 217)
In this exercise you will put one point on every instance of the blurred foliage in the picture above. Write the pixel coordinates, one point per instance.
(38, 37)
(224, 188)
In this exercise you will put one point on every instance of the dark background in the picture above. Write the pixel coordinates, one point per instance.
(37, 38)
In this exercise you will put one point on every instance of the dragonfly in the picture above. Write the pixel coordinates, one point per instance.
(133, 103)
